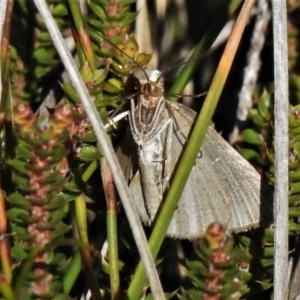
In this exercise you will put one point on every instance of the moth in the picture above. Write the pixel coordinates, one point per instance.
(222, 187)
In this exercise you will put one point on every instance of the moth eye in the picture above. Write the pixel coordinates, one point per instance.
(156, 91)
(132, 85)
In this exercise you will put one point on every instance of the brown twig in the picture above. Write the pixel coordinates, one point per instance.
(4, 243)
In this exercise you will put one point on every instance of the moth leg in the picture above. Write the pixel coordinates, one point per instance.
(112, 121)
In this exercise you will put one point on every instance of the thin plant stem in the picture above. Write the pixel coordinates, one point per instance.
(80, 208)
(112, 234)
(72, 273)
(89, 171)
(5, 289)
(281, 140)
(5, 259)
(3, 10)
(81, 34)
(75, 266)
(5, 65)
(25, 270)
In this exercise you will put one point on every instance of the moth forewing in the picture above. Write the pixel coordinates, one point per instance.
(227, 186)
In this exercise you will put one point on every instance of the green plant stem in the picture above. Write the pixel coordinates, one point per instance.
(5, 260)
(25, 270)
(89, 171)
(75, 266)
(6, 101)
(80, 209)
(192, 148)
(113, 253)
(76, 15)
(81, 34)
(5, 64)
(71, 275)
(112, 234)
(5, 289)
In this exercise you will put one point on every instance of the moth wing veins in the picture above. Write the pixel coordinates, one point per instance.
(237, 196)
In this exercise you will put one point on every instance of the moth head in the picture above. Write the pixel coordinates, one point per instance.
(151, 89)
(151, 84)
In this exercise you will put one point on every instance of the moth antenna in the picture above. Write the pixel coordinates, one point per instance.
(186, 61)
(97, 36)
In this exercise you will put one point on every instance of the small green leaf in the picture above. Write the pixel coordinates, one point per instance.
(57, 184)
(44, 36)
(17, 215)
(23, 183)
(128, 19)
(20, 232)
(264, 105)
(59, 10)
(113, 86)
(57, 202)
(248, 154)
(293, 226)
(258, 119)
(294, 212)
(229, 288)
(98, 10)
(18, 200)
(86, 73)
(70, 92)
(23, 150)
(107, 101)
(89, 153)
(44, 55)
(56, 216)
(60, 229)
(42, 134)
(58, 258)
(294, 187)
(51, 177)
(55, 287)
(252, 137)
(68, 196)
(87, 137)
(19, 165)
(40, 71)
(58, 156)
(19, 252)
(100, 75)
(76, 186)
